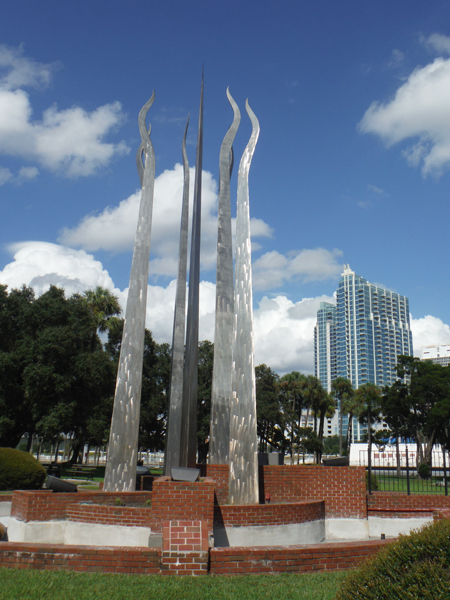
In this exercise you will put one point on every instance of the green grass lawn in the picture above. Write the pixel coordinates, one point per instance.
(417, 486)
(56, 585)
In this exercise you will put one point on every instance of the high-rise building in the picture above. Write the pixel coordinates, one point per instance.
(362, 338)
(325, 345)
(373, 329)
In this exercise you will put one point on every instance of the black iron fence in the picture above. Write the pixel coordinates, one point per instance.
(388, 472)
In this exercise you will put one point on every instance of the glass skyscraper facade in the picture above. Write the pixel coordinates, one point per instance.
(363, 336)
(325, 345)
(372, 329)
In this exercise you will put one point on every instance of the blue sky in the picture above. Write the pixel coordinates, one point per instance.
(352, 163)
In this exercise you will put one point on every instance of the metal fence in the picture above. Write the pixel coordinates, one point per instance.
(388, 474)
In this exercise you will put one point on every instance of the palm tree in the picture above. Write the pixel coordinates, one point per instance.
(352, 406)
(368, 397)
(104, 307)
(341, 388)
(327, 409)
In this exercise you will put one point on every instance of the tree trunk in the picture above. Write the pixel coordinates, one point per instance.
(397, 451)
(349, 432)
(30, 441)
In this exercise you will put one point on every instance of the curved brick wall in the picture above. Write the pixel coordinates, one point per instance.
(268, 514)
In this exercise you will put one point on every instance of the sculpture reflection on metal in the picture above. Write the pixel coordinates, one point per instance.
(120, 474)
(174, 423)
(222, 380)
(243, 482)
(188, 444)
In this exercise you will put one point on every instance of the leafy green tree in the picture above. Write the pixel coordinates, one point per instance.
(270, 420)
(396, 409)
(428, 387)
(205, 372)
(331, 445)
(155, 385)
(291, 388)
(53, 372)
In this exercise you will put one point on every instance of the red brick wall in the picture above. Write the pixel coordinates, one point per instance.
(269, 514)
(180, 500)
(399, 504)
(185, 536)
(80, 558)
(342, 488)
(220, 475)
(126, 516)
(230, 561)
(46, 505)
(300, 559)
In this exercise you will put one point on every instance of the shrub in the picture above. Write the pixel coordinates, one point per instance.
(20, 471)
(416, 567)
(424, 471)
(373, 481)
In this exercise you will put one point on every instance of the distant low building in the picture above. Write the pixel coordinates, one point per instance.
(438, 354)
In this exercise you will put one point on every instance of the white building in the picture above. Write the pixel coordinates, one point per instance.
(438, 354)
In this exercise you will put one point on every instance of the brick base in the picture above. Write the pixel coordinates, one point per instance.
(228, 561)
(297, 559)
(88, 559)
(184, 563)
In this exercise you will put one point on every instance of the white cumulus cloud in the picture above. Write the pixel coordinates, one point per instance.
(41, 264)
(69, 141)
(114, 229)
(420, 110)
(284, 333)
(428, 331)
(273, 269)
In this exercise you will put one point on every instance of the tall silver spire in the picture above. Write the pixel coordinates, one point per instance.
(190, 386)
(243, 483)
(222, 384)
(120, 474)
(174, 423)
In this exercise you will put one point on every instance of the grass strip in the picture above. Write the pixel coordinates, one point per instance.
(48, 585)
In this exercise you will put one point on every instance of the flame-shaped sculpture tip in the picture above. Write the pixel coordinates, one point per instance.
(141, 119)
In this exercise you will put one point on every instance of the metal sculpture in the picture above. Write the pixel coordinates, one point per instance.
(120, 474)
(222, 381)
(243, 482)
(174, 421)
(188, 444)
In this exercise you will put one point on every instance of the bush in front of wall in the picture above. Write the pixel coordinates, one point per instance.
(416, 567)
(20, 471)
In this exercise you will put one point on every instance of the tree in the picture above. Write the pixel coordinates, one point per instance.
(205, 372)
(352, 407)
(53, 372)
(104, 307)
(327, 409)
(269, 415)
(396, 409)
(368, 397)
(341, 389)
(155, 385)
(291, 389)
(428, 387)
